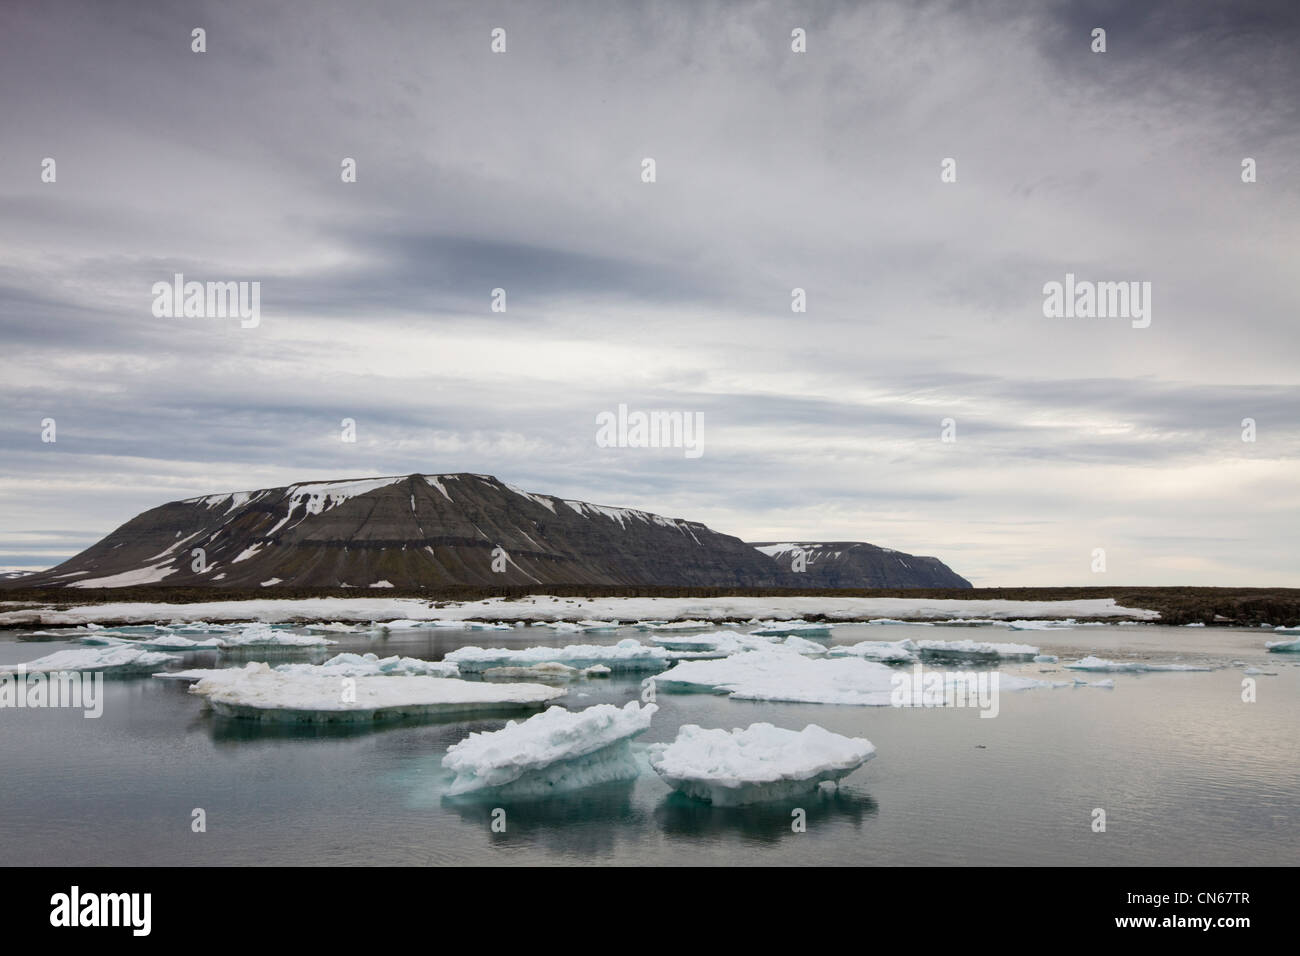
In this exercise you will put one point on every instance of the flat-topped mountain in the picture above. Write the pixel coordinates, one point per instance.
(856, 564)
(427, 531)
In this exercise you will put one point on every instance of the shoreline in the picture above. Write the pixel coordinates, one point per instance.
(1241, 607)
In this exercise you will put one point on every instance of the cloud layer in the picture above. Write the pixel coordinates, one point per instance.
(775, 170)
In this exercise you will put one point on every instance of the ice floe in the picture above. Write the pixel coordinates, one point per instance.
(776, 675)
(1283, 646)
(719, 643)
(1133, 667)
(896, 652)
(789, 628)
(974, 649)
(407, 624)
(703, 613)
(258, 692)
(626, 655)
(263, 637)
(554, 750)
(165, 642)
(548, 671)
(757, 763)
(1066, 625)
(109, 660)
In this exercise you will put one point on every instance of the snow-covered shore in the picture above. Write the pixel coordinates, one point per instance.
(546, 608)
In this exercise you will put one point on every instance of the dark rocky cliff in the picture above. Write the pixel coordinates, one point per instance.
(856, 564)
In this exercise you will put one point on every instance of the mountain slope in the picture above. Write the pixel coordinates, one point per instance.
(856, 564)
(407, 532)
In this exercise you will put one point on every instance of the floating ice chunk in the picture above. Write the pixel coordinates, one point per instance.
(341, 665)
(1284, 630)
(263, 637)
(974, 649)
(798, 645)
(1283, 646)
(970, 622)
(898, 652)
(104, 639)
(372, 665)
(406, 624)
(626, 655)
(776, 675)
(675, 625)
(760, 762)
(198, 627)
(719, 643)
(1134, 667)
(599, 625)
(1046, 659)
(1042, 625)
(109, 660)
(726, 643)
(554, 750)
(257, 692)
(1257, 671)
(176, 642)
(338, 627)
(549, 671)
(788, 628)
(892, 620)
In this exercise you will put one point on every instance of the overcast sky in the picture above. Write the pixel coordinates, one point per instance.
(775, 170)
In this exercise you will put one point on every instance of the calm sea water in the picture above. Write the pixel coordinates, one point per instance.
(1187, 773)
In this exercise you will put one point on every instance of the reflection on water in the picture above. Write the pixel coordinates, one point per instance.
(680, 816)
(1187, 772)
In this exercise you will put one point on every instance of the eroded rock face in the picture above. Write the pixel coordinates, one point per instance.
(856, 564)
(408, 532)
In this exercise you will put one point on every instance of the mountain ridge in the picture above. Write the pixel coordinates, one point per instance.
(419, 531)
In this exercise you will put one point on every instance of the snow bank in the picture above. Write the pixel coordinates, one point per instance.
(1133, 667)
(626, 655)
(761, 762)
(703, 613)
(554, 750)
(256, 692)
(109, 660)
